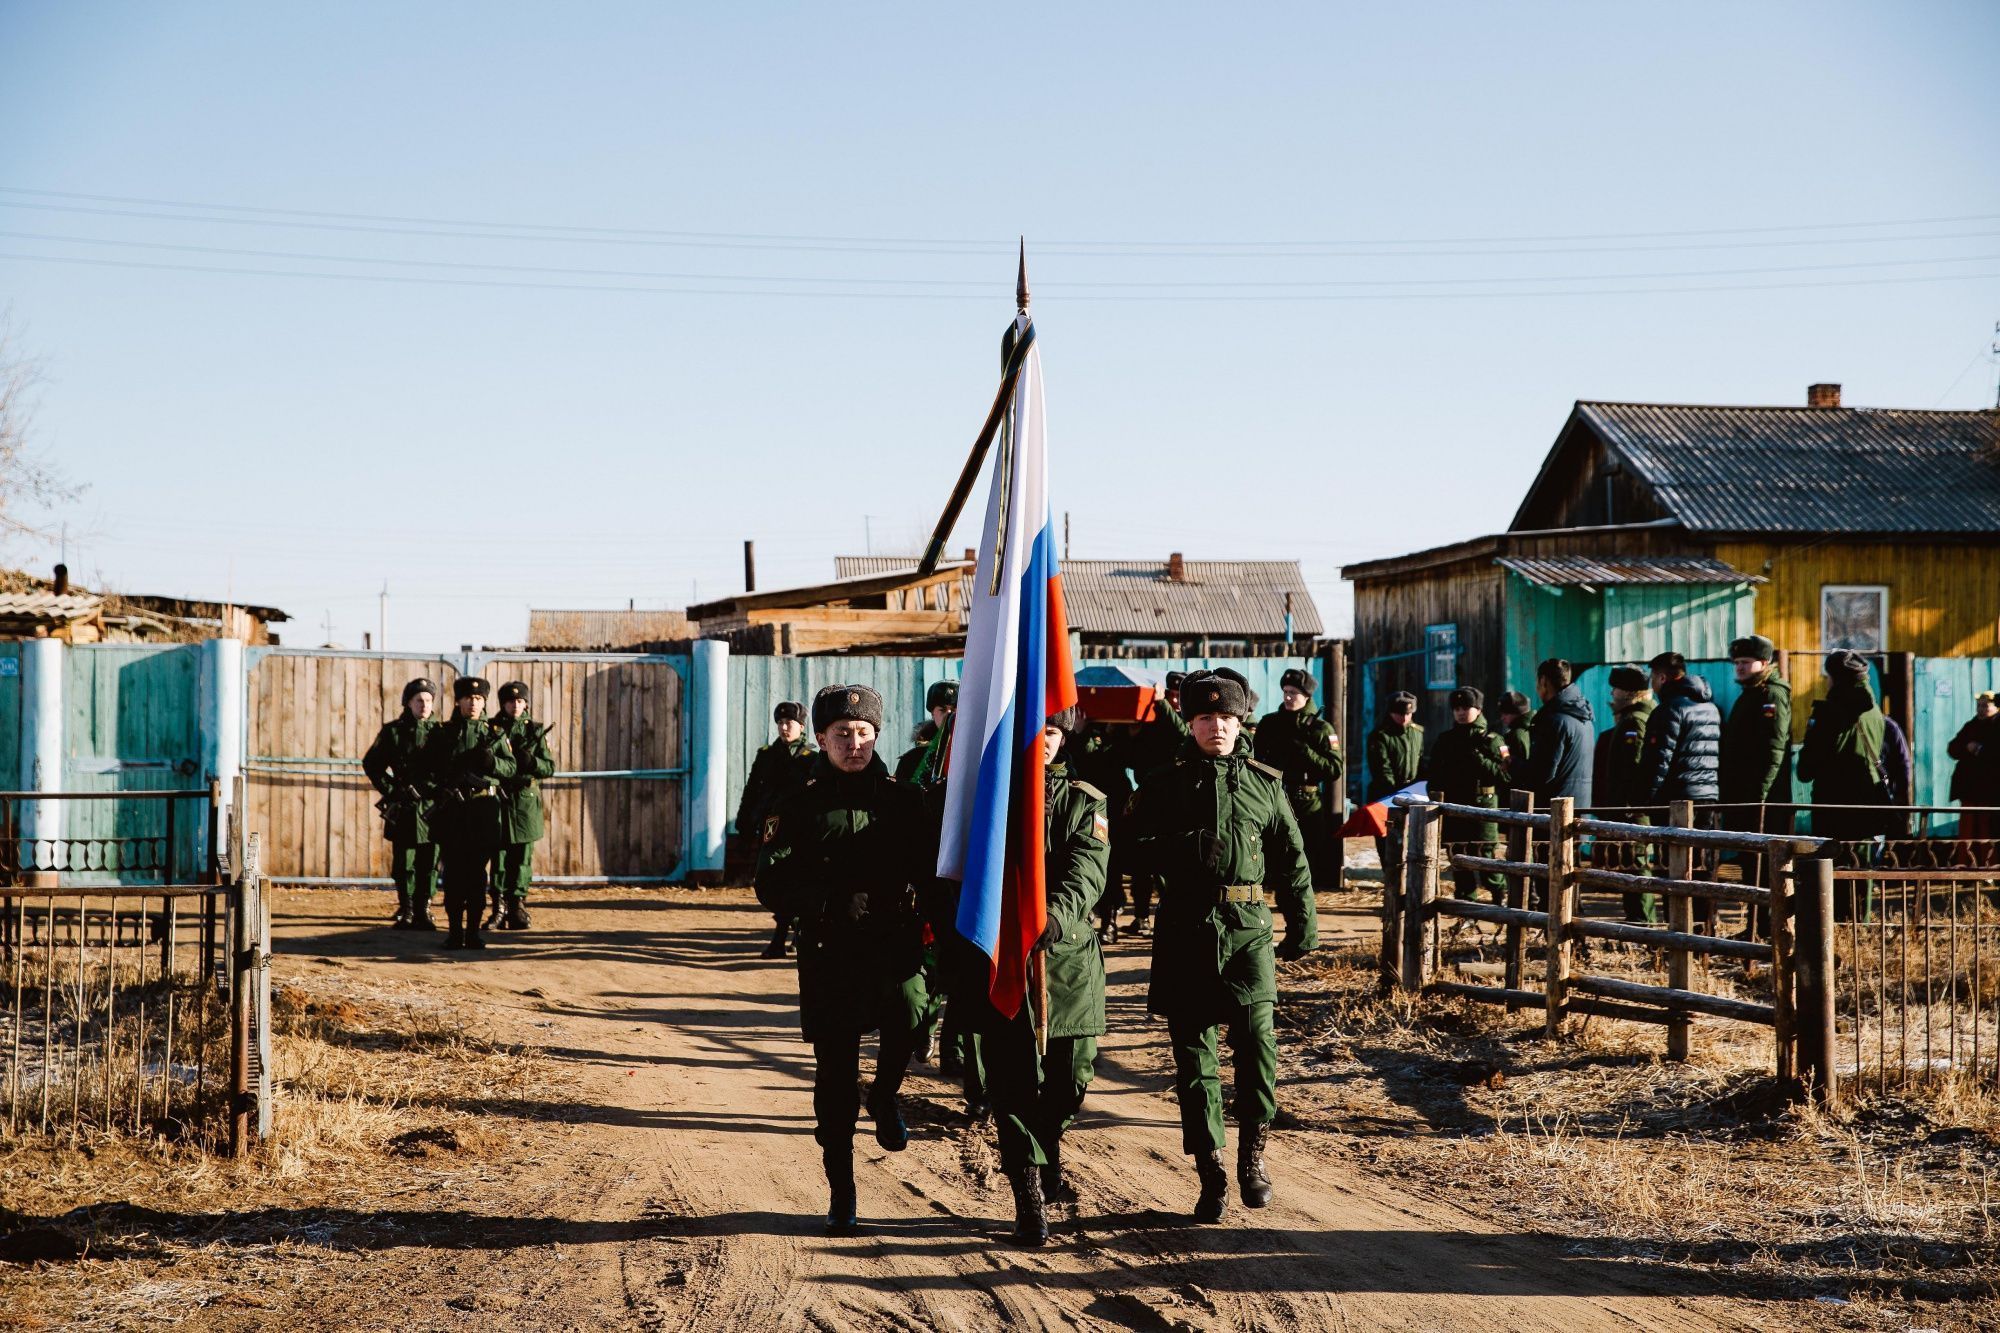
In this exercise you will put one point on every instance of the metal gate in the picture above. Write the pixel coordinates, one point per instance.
(617, 806)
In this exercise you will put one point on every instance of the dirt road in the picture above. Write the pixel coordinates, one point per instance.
(690, 1194)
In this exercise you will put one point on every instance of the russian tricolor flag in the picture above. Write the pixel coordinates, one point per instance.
(1017, 673)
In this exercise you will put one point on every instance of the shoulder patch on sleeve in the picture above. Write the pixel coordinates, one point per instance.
(771, 829)
(1100, 827)
(1275, 773)
(1088, 790)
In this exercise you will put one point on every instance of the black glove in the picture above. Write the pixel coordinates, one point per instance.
(1052, 933)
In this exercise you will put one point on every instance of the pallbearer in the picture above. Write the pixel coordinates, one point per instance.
(840, 855)
(1035, 1096)
(391, 765)
(465, 760)
(521, 811)
(1217, 828)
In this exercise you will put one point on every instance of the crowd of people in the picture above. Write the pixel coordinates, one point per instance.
(1186, 805)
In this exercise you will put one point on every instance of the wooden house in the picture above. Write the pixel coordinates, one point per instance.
(1820, 527)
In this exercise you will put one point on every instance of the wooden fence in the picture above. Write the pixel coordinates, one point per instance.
(1797, 898)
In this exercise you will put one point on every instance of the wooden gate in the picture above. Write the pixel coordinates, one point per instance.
(616, 807)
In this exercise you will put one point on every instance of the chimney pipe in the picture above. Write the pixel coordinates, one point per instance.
(749, 566)
(1176, 568)
(1823, 395)
(971, 556)
(62, 579)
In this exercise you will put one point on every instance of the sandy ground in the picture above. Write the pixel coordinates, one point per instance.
(687, 1192)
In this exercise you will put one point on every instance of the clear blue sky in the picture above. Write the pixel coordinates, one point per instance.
(497, 429)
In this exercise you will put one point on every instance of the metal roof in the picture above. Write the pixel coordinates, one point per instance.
(1568, 571)
(1810, 469)
(50, 607)
(1217, 598)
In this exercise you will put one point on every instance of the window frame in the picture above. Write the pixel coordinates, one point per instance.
(1828, 590)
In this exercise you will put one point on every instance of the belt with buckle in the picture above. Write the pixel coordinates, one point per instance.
(1248, 894)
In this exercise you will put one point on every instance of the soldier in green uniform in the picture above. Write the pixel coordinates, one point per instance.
(1842, 759)
(920, 746)
(466, 760)
(1757, 754)
(1036, 1096)
(1216, 827)
(522, 823)
(1514, 720)
(1301, 744)
(840, 855)
(1618, 783)
(1157, 743)
(778, 768)
(1469, 767)
(1395, 760)
(393, 769)
(1098, 756)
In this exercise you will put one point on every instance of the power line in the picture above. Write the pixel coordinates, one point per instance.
(947, 296)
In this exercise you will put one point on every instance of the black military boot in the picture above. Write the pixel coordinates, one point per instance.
(1214, 1186)
(517, 915)
(401, 921)
(840, 1220)
(1031, 1219)
(492, 911)
(1251, 1177)
(776, 948)
(455, 937)
(890, 1131)
(1055, 1186)
(420, 915)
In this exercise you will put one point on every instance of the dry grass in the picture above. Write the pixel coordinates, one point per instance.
(1700, 1165)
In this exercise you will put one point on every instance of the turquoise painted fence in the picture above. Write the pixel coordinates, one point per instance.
(1941, 697)
(759, 684)
(131, 722)
(10, 715)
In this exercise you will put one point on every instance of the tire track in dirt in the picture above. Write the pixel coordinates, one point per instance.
(696, 1150)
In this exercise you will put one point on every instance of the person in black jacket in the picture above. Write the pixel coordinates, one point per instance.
(1560, 740)
(1683, 737)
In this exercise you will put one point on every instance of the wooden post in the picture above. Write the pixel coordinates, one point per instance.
(1784, 943)
(1813, 904)
(242, 932)
(1395, 884)
(1680, 917)
(1562, 889)
(1333, 693)
(1520, 838)
(1420, 891)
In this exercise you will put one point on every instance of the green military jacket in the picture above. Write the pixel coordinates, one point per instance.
(1395, 759)
(394, 770)
(1469, 767)
(466, 760)
(1516, 740)
(1078, 856)
(1842, 754)
(1757, 743)
(1619, 773)
(1205, 824)
(841, 853)
(1159, 740)
(777, 769)
(521, 795)
(1301, 744)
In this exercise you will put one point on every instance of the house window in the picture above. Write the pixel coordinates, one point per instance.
(1853, 617)
(1145, 647)
(1440, 657)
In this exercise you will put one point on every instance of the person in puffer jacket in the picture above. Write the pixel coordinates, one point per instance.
(1561, 745)
(1683, 737)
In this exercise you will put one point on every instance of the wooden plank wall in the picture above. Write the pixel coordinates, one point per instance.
(131, 722)
(319, 820)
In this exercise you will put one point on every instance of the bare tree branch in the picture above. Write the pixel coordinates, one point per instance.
(27, 481)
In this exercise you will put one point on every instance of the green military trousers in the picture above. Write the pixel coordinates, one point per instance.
(1253, 1048)
(414, 868)
(513, 868)
(1035, 1096)
(904, 1013)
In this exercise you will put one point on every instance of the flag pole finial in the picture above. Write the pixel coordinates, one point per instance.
(1021, 281)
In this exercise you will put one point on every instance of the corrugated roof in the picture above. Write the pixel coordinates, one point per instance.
(1567, 571)
(1218, 598)
(1810, 469)
(54, 608)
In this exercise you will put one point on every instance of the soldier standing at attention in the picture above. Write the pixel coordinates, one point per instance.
(1618, 779)
(1468, 767)
(521, 815)
(1395, 760)
(1301, 744)
(466, 759)
(1036, 1096)
(1514, 721)
(392, 767)
(1756, 753)
(841, 854)
(940, 702)
(778, 768)
(1216, 827)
